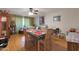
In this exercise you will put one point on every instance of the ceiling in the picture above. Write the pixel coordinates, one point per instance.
(24, 11)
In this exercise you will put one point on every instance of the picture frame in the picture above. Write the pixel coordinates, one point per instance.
(57, 18)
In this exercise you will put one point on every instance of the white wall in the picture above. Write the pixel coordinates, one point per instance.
(37, 20)
(69, 19)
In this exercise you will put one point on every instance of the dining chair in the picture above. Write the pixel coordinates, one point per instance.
(46, 43)
(28, 42)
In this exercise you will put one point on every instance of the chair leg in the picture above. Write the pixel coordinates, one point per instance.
(38, 46)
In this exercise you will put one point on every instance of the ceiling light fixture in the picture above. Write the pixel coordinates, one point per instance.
(33, 11)
(30, 13)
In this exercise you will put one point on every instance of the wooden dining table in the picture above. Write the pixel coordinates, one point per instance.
(37, 35)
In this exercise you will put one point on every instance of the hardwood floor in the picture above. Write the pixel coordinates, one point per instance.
(59, 45)
(17, 43)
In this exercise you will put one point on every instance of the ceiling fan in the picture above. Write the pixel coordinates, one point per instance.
(33, 11)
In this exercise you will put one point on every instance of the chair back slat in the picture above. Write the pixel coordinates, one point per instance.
(28, 41)
(48, 41)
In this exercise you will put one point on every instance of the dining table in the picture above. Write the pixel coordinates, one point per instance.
(37, 35)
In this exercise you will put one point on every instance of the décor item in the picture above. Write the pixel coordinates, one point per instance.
(57, 18)
(41, 21)
(12, 27)
(72, 30)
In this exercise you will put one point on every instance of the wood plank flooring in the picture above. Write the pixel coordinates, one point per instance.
(17, 43)
(59, 45)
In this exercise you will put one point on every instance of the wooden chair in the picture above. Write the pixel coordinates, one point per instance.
(28, 42)
(46, 43)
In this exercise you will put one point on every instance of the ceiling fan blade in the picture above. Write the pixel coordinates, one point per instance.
(31, 9)
(35, 13)
(35, 10)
